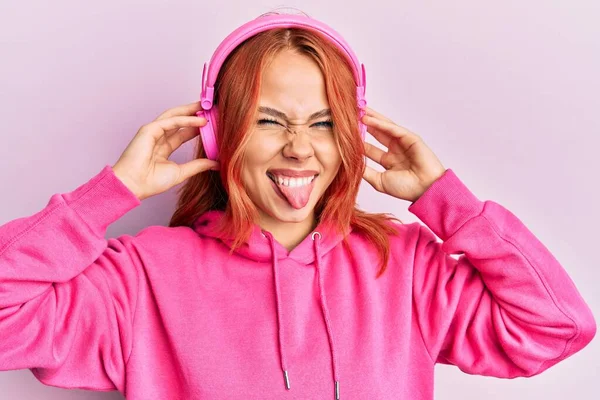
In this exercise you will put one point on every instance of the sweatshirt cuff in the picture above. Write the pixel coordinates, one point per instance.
(102, 200)
(446, 205)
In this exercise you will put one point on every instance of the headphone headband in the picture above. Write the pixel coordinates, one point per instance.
(262, 23)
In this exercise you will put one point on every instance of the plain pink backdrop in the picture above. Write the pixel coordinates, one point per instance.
(505, 93)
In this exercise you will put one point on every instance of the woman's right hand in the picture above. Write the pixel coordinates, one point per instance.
(145, 168)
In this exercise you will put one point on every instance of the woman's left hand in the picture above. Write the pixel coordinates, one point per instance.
(410, 166)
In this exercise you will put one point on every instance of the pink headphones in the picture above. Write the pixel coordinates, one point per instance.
(260, 24)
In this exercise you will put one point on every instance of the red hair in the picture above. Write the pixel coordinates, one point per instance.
(237, 96)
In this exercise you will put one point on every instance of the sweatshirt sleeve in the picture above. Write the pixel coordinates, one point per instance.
(68, 295)
(504, 307)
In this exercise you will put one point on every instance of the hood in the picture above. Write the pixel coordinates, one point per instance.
(258, 248)
(262, 246)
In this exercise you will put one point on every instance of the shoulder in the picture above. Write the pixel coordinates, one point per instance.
(152, 233)
(165, 240)
(401, 238)
(178, 250)
(165, 232)
(398, 232)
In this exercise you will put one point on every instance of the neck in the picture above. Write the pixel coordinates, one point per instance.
(289, 234)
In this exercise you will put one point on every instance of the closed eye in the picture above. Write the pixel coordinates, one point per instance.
(324, 124)
(266, 121)
(321, 124)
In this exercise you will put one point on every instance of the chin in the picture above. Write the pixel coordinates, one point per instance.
(280, 210)
(290, 214)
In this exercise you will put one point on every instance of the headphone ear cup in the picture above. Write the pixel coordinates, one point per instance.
(208, 133)
(362, 127)
(214, 115)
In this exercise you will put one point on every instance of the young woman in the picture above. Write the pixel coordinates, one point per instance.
(269, 283)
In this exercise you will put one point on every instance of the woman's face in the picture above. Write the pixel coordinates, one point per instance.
(286, 172)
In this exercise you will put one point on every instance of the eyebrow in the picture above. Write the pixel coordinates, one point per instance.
(279, 114)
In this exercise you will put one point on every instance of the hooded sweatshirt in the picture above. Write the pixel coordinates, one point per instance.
(172, 313)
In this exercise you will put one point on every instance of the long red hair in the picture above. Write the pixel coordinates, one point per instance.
(237, 96)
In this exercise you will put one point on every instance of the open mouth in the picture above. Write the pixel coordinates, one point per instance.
(291, 181)
(295, 190)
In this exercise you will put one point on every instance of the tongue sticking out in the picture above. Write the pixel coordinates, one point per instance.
(297, 196)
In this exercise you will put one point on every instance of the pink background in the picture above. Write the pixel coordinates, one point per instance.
(505, 93)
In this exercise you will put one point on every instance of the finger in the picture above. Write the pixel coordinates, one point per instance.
(197, 166)
(187, 109)
(181, 136)
(374, 153)
(373, 178)
(370, 111)
(170, 142)
(385, 131)
(157, 129)
(382, 137)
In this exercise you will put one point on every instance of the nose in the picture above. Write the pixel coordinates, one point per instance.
(299, 146)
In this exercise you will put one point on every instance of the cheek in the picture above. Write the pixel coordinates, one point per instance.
(261, 148)
(259, 152)
(329, 155)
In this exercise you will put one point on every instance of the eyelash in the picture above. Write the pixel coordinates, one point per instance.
(268, 121)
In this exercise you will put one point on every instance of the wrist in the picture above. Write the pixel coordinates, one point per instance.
(127, 182)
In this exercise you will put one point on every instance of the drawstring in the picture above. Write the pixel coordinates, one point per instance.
(323, 307)
(277, 298)
(326, 314)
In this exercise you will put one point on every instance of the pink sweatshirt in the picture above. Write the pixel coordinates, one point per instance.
(170, 314)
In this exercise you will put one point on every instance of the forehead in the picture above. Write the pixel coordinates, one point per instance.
(294, 84)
